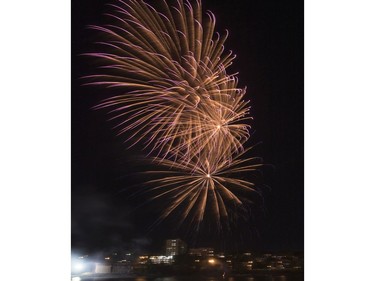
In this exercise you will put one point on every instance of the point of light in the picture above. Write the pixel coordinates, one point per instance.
(211, 261)
(218, 126)
(208, 175)
(79, 266)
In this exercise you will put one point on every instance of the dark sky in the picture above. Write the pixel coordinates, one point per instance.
(267, 37)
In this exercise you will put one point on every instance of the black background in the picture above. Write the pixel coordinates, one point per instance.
(267, 37)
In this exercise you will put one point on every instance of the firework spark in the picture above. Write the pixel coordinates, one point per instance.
(202, 184)
(178, 99)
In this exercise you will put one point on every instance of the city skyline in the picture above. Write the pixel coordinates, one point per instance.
(194, 261)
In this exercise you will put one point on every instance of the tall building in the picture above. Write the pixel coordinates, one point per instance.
(175, 247)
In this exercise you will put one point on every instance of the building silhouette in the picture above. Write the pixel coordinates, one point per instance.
(175, 247)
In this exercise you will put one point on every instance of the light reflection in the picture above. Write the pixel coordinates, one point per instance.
(166, 279)
(140, 279)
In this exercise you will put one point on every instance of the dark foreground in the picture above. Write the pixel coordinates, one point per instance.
(294, 276)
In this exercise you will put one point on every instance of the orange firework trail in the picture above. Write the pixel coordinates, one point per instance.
(203, 183)
(178, 100)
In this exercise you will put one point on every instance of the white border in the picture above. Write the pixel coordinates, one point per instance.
(35, 140)
(339, 140)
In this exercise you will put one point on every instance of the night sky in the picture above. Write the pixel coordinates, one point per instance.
(267, 37)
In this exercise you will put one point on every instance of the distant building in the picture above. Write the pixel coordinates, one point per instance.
(143, 259)
(175, 247)
(161, 259)
(202, 252)
(103, 268)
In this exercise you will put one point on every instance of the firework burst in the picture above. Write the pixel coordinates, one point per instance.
(178, 100)
(203, 184)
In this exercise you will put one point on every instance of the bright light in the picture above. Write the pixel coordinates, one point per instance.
(211, 261)
(79, 266)
(76, 279)
(208, 175)
(218, 127)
